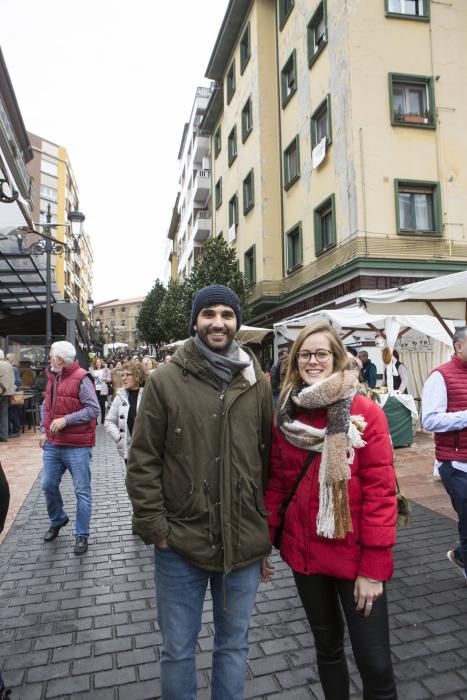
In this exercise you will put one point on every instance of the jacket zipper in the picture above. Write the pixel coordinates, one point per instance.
(240, 500)
(207, 489)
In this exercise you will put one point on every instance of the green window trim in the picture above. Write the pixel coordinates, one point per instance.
(230, 82)
(422, 187)
(289, 78)
(324, 105)
(317, 23)
(248, 192)
(291, 178)
(233, 211)
(285, 8)
(249, 266)
(327, 207)
(294, 248)
(218, 193)
(425, 17)
(245, 49)
(217, 141)
(232, 146)
(247, 120)
(427, 120)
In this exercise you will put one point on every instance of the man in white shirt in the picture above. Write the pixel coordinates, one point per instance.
(444, 408)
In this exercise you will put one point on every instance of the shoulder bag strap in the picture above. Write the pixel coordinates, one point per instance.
(303, 471)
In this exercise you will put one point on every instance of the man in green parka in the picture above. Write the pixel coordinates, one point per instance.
(197, 469)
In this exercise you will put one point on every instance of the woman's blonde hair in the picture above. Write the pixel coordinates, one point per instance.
(136, 369)
(95, 360)
(148, 362)
(340, 358)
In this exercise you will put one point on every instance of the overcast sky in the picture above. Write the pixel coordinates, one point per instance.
(114, 83)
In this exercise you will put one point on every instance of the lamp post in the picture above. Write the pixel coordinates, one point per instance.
(50, 245)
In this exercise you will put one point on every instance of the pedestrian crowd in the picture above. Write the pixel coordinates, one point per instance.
(216, 477)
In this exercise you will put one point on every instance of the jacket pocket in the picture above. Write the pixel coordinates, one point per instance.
(182, 503)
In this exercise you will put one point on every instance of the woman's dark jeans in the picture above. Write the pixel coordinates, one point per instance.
(324, 598)
(102, 401)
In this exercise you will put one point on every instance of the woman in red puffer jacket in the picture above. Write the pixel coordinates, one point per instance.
(340, 526)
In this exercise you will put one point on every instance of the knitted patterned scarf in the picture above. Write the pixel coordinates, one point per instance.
(337, 443)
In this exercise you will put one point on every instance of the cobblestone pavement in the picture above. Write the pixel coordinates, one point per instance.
(84, 627)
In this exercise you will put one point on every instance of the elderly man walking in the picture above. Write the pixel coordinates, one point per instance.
(68, 433)
(7, 388)
(444, 406)
(197, 468)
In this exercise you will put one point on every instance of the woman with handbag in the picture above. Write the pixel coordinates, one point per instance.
(331, 494)
(101, 376)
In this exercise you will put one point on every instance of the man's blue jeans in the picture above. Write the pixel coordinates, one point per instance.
(180, 592)
(455, 483)
(77, 460)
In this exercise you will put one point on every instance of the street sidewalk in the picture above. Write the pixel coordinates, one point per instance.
(85, 627)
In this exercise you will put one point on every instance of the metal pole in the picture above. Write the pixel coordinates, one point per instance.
(48, 287)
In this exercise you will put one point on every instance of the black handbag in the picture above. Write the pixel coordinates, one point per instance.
(286, 501)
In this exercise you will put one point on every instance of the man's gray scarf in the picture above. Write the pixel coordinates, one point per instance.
(224, 365)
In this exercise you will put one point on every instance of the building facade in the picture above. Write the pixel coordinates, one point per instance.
(338, 149)
(115, 320)
(192, 209)
(55, 190)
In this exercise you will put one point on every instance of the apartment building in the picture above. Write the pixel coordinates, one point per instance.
(192, 211)
(55, 189)
(115, 320)
(338, 149)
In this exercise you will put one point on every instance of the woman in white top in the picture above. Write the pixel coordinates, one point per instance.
(101, 376)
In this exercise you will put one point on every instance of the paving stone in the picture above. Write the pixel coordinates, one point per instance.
(116, 677)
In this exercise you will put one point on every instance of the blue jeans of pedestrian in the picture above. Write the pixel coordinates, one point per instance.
(455, 483)
(180, 593)
(77, 460)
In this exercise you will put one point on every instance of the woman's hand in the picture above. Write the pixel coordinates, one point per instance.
(267, 570)
(365, 593)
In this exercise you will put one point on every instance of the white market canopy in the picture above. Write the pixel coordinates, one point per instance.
(354, 318)
(443, 297)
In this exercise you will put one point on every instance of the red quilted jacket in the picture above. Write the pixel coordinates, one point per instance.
(366, 551)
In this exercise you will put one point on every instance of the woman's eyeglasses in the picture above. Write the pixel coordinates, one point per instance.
(125, 376)
(322, 356)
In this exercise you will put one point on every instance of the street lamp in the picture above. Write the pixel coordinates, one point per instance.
(50, 245)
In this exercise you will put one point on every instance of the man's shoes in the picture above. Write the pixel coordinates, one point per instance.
(4, 693)
(81, 546)
(451, 555)
(13, 435)
(53, 531)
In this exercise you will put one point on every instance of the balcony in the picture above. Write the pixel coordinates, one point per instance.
(202, 185)
(201, 146)
(202, 225)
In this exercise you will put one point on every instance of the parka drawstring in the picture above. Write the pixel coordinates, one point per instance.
(184, 370)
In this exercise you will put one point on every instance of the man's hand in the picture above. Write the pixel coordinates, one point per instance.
(365, 593)
(57, 424)
(267, 570)
(163, 544)
(42, 441)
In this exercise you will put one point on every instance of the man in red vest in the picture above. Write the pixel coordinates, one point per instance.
(444, 404)
(68, 433)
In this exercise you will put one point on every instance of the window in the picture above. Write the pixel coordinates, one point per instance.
(248, 192)
(325, 226)
(412, 9)
(412, 101)
(321, 123)
(317, 33)
(233, 211)
(247, 120)
(217, 142)
(291, 163)
(285, 8)
(232, 146)
(218, 193)
(48, 193)
(418, 207)
(49, 168)
(294, 248)
(245, 48)
(231, 82)
(250, 266)
(289, 79)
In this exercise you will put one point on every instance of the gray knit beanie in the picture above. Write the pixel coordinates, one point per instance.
(210, 296)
